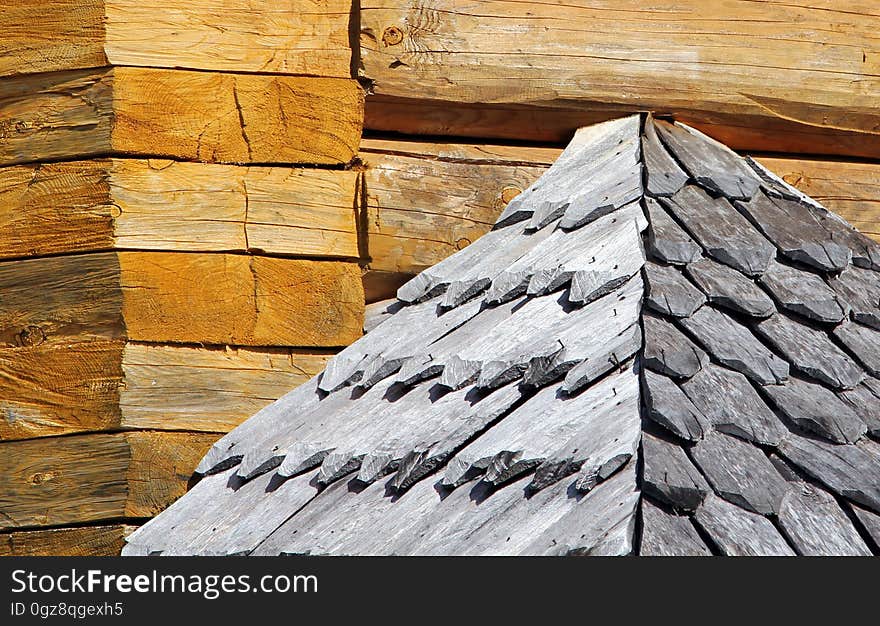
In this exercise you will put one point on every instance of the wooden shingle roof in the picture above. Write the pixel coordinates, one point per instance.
(661, 348)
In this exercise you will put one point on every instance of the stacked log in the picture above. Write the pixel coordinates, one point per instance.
(178, 244)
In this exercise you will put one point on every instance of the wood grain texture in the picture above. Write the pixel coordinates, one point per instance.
(302, 37)
(224, 299)
(251, 118)
(61, 387)
(153, 204)
(798, 77)
(78, 541)
(57, 481)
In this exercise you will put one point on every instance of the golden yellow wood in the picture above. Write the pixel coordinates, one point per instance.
(197, 116)
(800, 76)
(294, 37)
(78, 541)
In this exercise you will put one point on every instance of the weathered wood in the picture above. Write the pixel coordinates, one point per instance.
(80, 541)
(733, 345)
(581, 165)
(769, 82)
(816, 409)
(863, 342)
(666, 239)
(607, 354)
(860, 289)
(737, 532)
(848, 470)
(667, 405)
(669, 292)
(62, 387)
(304, 37)
(664, 534)
(663, 175)
(377, 312)
(81, 206)
(669, 476)
(255, 118)
(178, 297)
(865, 401)
(816, 526)
(870, 522)
(804, 293)
(728, 288)
(668, 351)
(57, 481)
(733, 406)
(811, 352)
(740, 473)
(852, 190)
(788, 225)
(725, 234)
(711, 164)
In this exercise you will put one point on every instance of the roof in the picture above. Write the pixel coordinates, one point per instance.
(660, 348)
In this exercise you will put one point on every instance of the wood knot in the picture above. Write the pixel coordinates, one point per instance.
(392, 36)
(462, 243)
(509, 193)
(31, 336)
(43, 477)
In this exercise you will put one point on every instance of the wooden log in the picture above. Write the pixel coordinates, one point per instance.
(225, 299)
(78, 541)
(151, 204)
(756, 76)
(57, 481)
(301, 37)
(196, 116)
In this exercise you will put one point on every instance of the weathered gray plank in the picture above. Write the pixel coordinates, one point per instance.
(729, 289)
(606, 440)
(664, 176)
(668, 351)
(733, 406)
(863, 342)
(794, 231)
(669, 476)
(606, 354)
(865, 401)
(804, 293)
(619, 260)
(669, 292)
(816, 526)
(734, 345)
(589, 149)
(712, 164)
(848, 470)
(378, 312)
(531, 433)
(722, 231)
(740, 473)
(860, 288)
(816, 409)
(669, 407)
(737, 532)
(667, 241)
(612, 188)
(870, 522)
(664, 534)
(811, 352)
(865, 251)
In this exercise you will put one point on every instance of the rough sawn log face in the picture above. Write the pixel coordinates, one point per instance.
(518, 398)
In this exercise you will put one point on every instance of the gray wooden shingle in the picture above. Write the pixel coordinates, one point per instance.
(667, 241)
(667, 351)
(864, 400)
(863, 342)
(799, 237)
(712, 164)
(860, 289)
(731, 404)
(733, 345)
(667, 405)
(722, 231)
(729, 289)
(740, 473)
(804, 293)
(669, 476)
(811, 351)
(663, 175)
(664, 534)
(669, 292)
(865, 251)
(816, 526)
(737, 532)
(816, 409)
